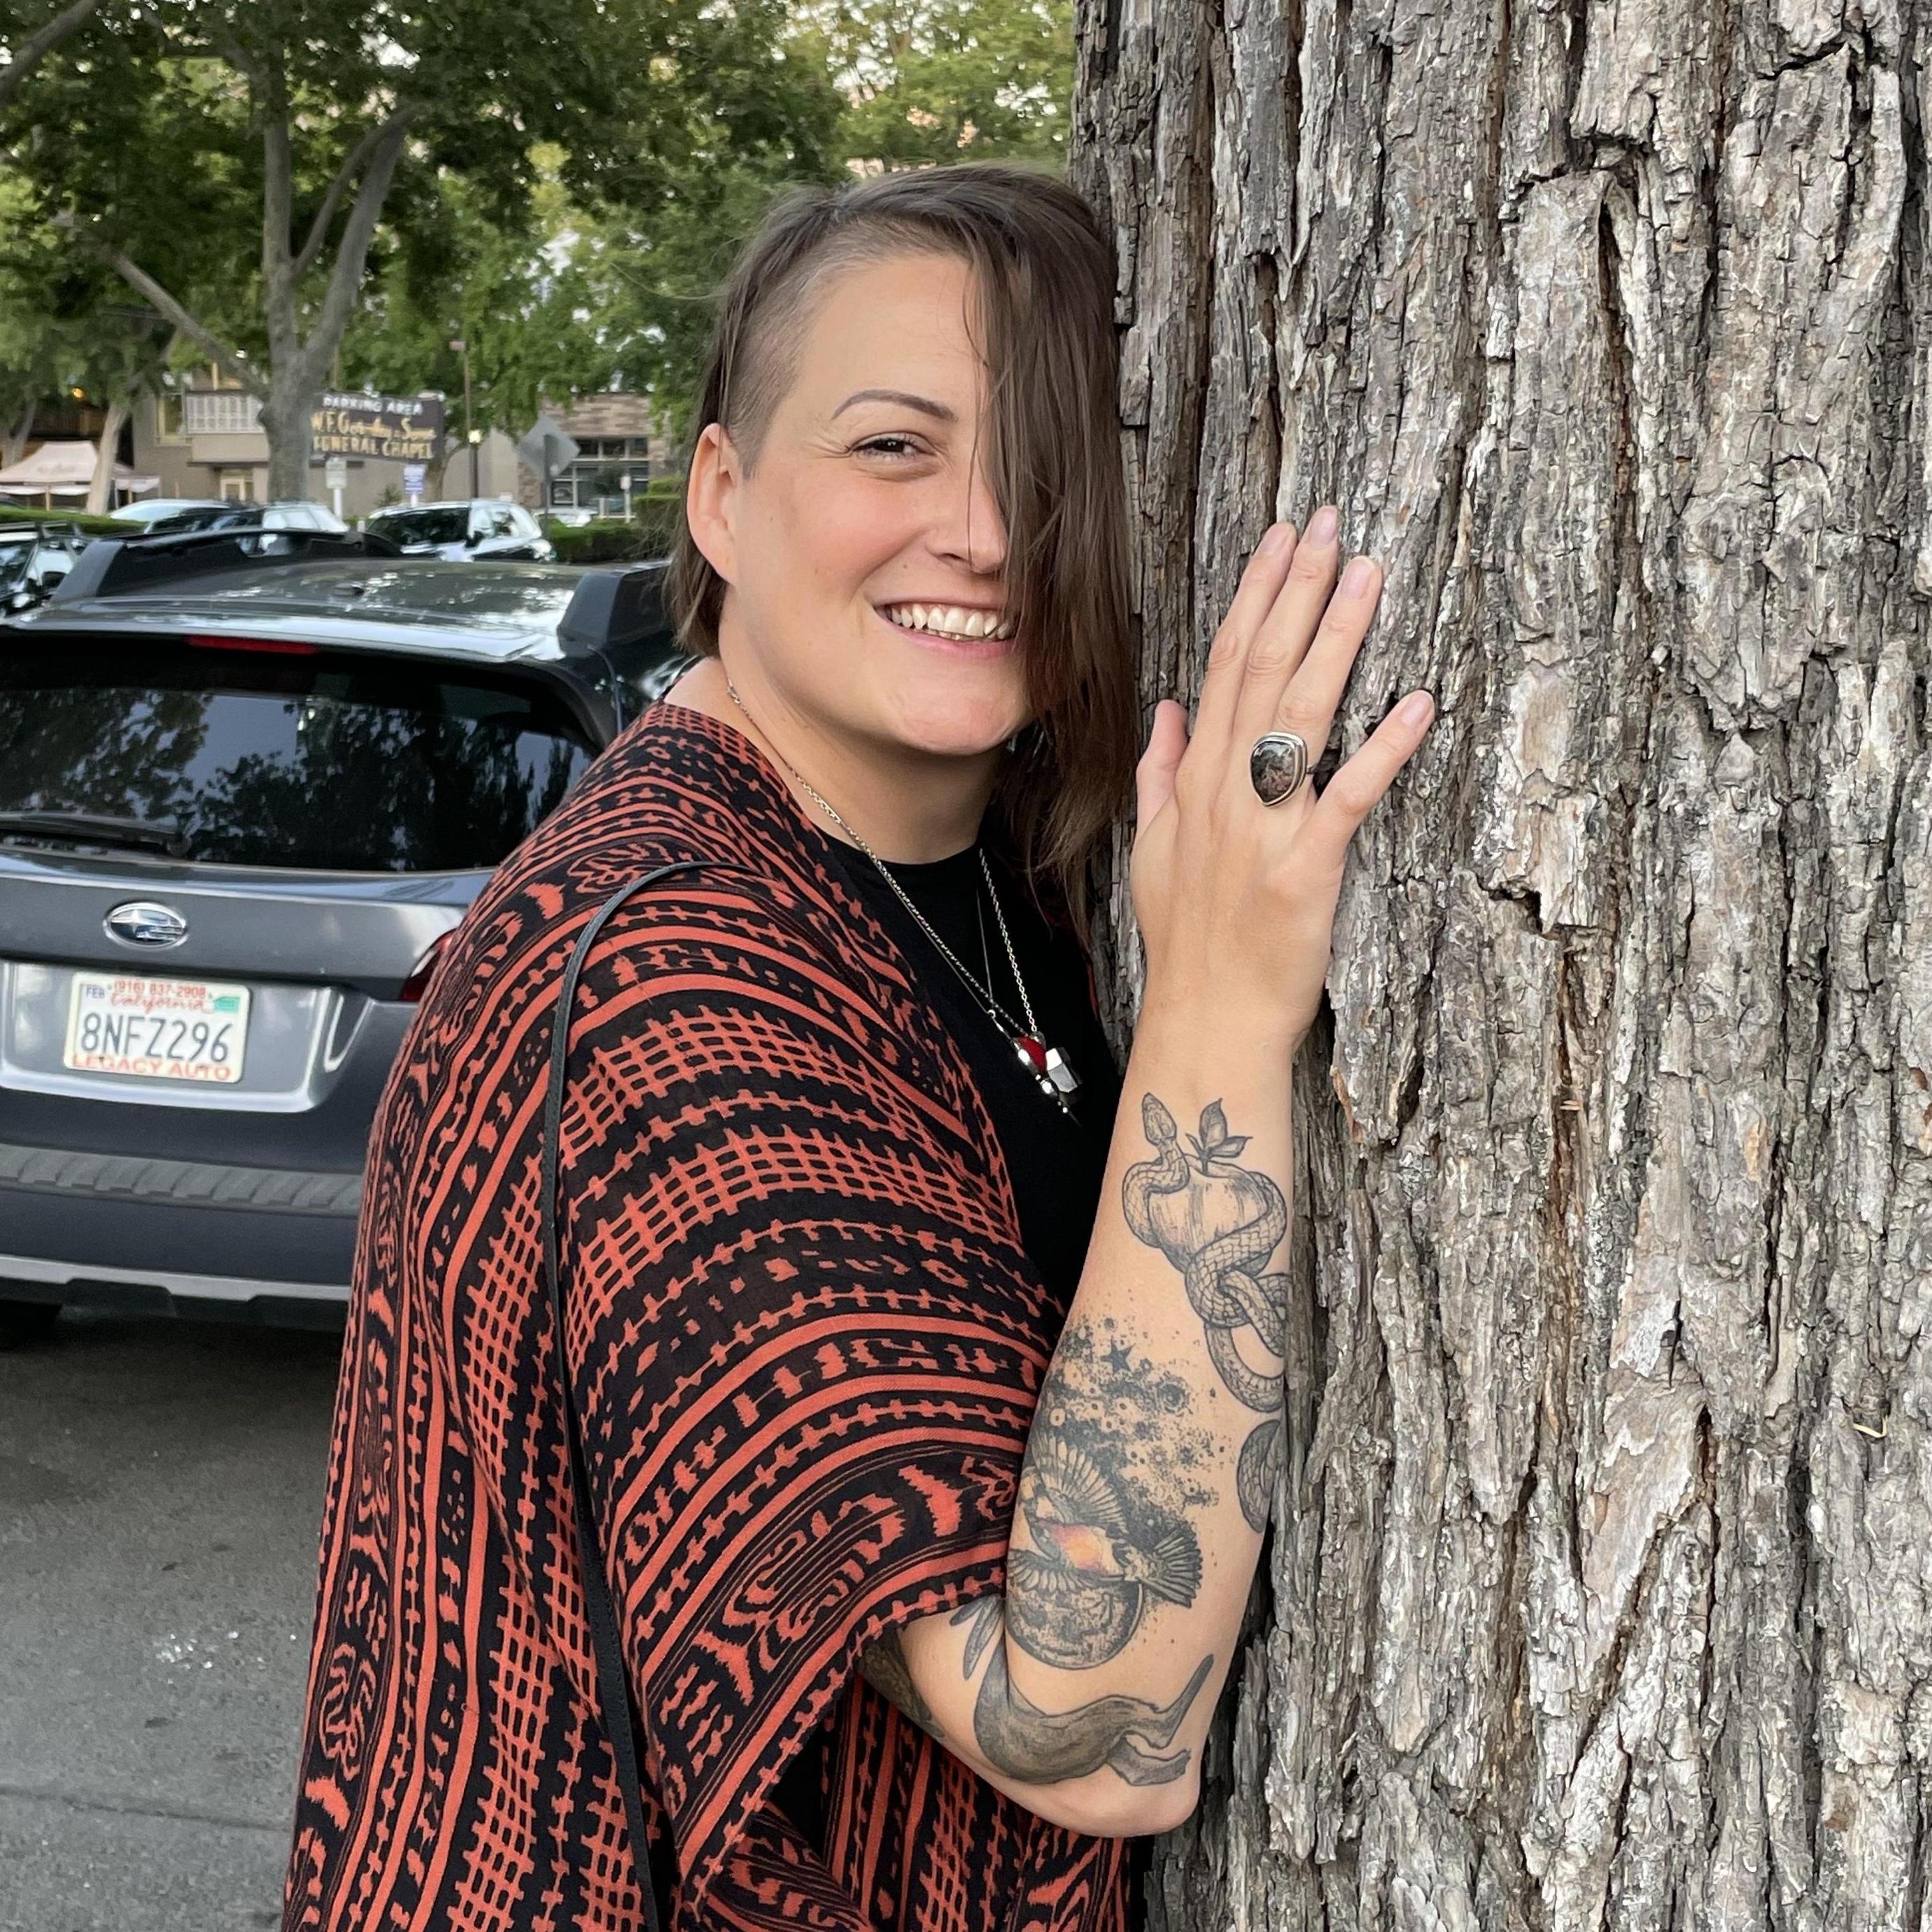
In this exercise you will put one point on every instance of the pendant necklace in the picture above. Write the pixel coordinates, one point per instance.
(1047, 1064)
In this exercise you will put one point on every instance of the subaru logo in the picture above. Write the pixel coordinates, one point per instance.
(144, 922)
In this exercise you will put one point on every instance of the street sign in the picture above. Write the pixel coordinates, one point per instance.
(548, 448)
(335, 473)
(415, 475)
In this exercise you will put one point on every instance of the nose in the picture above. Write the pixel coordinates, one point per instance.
(971, 530)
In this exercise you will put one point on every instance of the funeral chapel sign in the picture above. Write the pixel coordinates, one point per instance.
(404, 429)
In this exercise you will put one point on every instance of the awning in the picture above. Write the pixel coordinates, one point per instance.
(67, 469)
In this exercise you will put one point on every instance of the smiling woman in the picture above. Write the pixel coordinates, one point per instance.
(804, 1442)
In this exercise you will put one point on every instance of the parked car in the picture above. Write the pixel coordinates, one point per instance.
(243, 800)
(572, 517)
(475, 528)
(293, 516)
(150, 509)
(34, 558)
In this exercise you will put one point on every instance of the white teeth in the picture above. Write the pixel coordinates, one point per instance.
(948, 620)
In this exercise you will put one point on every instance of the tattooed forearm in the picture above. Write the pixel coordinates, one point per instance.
(883, 1665)
(1218, 1222)
(1128, 1734)
(1101, 1502)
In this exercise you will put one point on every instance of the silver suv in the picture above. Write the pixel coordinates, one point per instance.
(245, 793)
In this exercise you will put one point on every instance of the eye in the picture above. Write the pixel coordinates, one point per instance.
(895, 448)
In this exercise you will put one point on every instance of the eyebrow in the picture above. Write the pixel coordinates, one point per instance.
(925, 404)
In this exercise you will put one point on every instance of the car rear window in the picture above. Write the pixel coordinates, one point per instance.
(415, 526)
(282, 756)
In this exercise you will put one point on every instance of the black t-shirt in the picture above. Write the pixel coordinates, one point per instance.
(1056, 1163)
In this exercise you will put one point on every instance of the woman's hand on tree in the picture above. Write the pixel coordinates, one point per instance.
(1235, 898)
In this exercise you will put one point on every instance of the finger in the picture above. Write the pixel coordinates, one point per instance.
(1357, 787)
(1260, 584)
(1154, 776)
(1307, 706)
(1282, 640)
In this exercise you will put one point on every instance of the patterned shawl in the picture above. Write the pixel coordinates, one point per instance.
(806, 1342)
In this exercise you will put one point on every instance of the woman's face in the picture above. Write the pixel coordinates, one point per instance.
(868, 530)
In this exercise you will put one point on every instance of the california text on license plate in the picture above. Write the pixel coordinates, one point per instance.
(157, 1029)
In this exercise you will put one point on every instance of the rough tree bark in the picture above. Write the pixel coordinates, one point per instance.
(1600, 1591)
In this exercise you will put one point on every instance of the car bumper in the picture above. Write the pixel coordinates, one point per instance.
(185, 1236)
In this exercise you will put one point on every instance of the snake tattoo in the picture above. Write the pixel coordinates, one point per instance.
(1218, 1223)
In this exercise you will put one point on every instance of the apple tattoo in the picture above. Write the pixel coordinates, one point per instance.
(1218, 1222)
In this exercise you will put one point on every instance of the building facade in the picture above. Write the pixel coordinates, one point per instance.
(204, 440)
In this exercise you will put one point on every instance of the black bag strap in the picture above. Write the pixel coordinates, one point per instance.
(620, 1709)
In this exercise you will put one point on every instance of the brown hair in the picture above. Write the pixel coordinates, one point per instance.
(1044, 271)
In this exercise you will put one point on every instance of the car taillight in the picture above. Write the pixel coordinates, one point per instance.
(285, 647)
(417, 984)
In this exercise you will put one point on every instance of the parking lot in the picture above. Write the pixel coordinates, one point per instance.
(160, 1485)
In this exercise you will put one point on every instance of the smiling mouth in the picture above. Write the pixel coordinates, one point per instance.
(958, 622)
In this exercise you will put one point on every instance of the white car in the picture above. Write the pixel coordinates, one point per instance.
(479, 528)
(290, 516)
(150, 509)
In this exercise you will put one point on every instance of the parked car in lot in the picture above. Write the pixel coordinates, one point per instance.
(244, 796)
(475, 528)
(146, 510)
(33, 559)
(292, 516)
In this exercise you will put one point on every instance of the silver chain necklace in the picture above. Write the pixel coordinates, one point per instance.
(1047, 1064)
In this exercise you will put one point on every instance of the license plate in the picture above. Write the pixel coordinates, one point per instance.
(157, 1029)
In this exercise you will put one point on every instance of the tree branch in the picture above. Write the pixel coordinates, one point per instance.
(345, 277)
(36, 47)
(169, 310)
(352, 165)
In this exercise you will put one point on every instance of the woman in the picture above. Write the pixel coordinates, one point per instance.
(927, 1368)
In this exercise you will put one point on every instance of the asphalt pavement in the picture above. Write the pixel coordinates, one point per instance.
(161, 1486)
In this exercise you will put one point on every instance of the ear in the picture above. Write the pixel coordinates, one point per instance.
(711, 500)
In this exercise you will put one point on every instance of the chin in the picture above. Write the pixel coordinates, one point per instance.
(950, 722)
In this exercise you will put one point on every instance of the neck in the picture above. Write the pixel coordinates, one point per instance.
(905, 805)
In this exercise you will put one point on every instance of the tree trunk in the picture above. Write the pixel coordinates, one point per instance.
(101, 489)
(288, 421)
(1600, 1590)
(16, 435)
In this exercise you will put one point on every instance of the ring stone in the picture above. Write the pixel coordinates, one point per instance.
(1277, 766)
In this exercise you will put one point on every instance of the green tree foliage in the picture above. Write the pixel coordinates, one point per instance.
(294, 140)
(29, 34)
(930, 81)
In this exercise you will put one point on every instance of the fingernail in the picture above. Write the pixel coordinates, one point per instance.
(1356, 578)
(1323, 527)
(1415, 709)
(1277, 539)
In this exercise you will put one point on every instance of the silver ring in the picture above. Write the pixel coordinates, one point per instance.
(1277, 766)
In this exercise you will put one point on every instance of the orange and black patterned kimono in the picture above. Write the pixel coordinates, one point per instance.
(805, 1340)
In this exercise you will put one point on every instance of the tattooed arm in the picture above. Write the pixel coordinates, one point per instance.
(1084, 1691)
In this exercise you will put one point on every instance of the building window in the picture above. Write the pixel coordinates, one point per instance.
(168, 417)
(220, 412)
(233, 485)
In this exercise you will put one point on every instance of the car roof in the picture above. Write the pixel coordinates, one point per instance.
(492, 609)
(446, 503)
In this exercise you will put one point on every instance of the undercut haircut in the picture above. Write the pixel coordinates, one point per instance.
(1043, 275)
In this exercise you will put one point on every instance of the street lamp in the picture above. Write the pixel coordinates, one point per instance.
(475, 446)
(460, 344)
